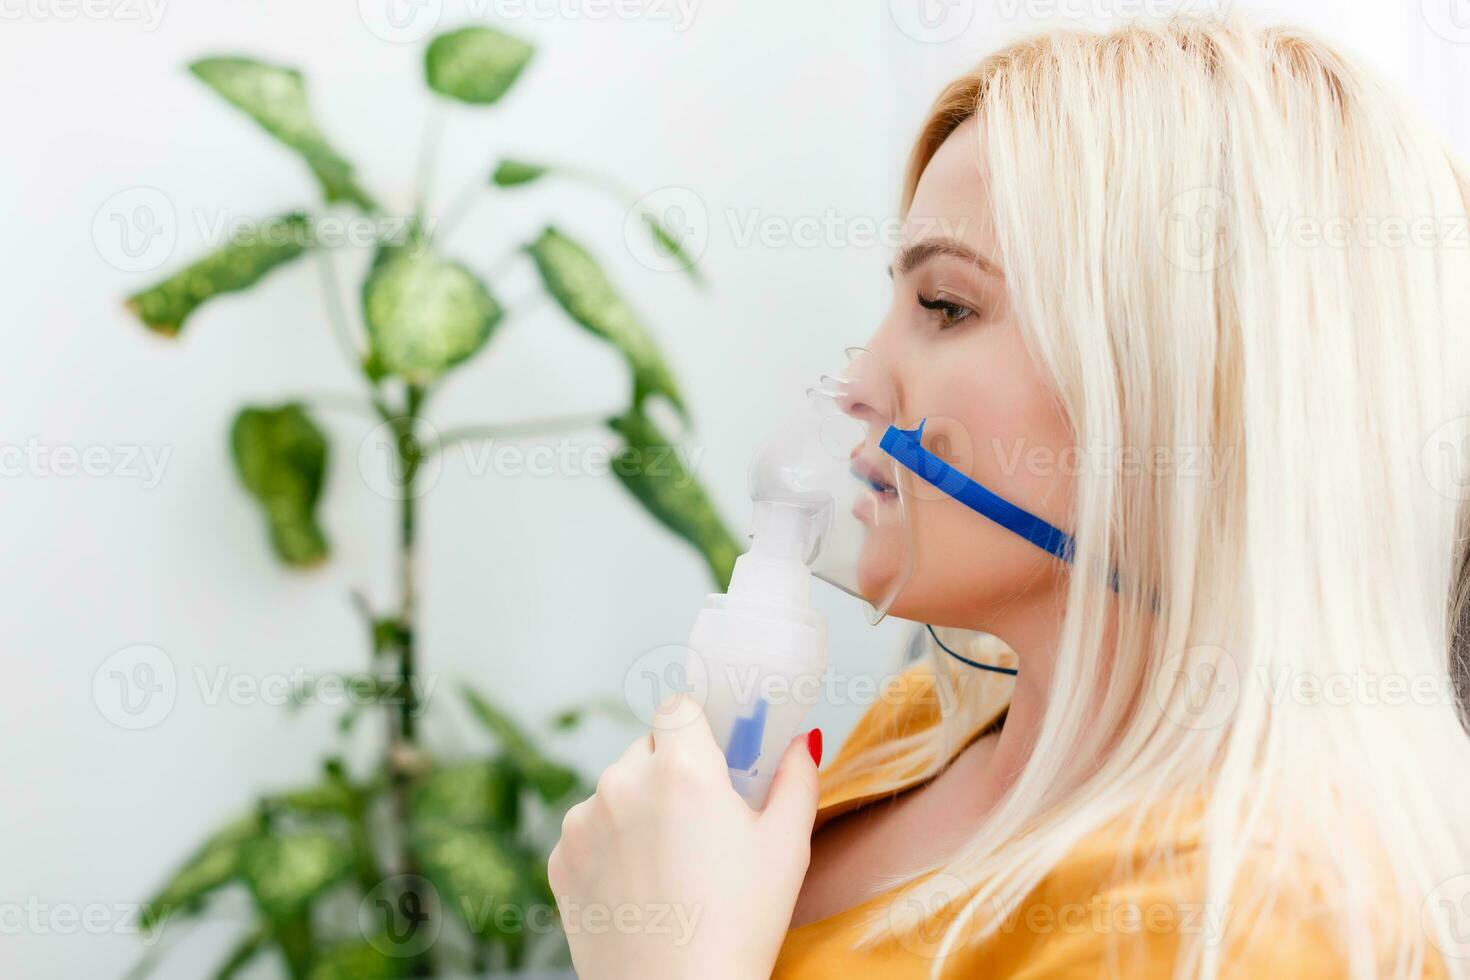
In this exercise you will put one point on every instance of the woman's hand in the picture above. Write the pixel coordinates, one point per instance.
(665, 872)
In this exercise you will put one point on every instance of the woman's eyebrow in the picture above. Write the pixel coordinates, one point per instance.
(910, 257)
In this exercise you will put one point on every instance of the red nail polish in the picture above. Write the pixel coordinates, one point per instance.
(814, 745)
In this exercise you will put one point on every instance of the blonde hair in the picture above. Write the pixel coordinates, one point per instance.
(1314, 371)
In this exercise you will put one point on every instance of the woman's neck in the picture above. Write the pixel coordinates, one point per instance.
(1031, 627)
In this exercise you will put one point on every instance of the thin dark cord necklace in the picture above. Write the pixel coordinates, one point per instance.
(966, 660)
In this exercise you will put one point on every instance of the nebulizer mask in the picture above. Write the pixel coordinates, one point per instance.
(832, 494)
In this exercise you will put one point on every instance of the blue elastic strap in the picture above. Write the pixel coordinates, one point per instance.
(907, 449)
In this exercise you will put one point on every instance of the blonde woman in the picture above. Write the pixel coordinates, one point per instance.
(1214, 285)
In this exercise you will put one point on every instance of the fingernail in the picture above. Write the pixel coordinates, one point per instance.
(814, 745)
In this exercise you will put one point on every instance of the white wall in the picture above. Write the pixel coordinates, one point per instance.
(792, 115)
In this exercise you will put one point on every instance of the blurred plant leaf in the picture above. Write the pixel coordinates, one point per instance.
(656, 476)
(540, 883)
(373, 368)
(295, 938)
(334, 795)
(671, 244)
(388, 634)
(214, 864)
(275, 97)
(359, 689)
(239, 265)
(348, 719)
(478, 874)
(328, 798)
(569, 718)
(425, 314)
(513, 173)
(285, 872)
(578, 284)
(245, 951)
(517, 173)
(477, 792)
(475, 64)
(281, 458)
(550, 779)
(357, 961)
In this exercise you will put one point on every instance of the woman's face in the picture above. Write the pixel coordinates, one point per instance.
(958, 359)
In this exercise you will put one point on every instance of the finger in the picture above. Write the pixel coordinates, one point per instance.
(573, 820)
(640, 748)
(791, 806)
(681, 728)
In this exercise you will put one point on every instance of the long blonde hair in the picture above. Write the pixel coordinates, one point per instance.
(1203, 229)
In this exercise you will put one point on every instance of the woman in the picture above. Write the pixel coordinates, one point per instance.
(1211, 287)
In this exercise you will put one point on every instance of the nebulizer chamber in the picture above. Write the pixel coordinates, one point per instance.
(822, 494)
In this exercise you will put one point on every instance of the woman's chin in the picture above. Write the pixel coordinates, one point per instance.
(876, 581)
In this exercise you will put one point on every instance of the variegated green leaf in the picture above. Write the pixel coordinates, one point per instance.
(473, 793)
(281, 458)
(550, 779)
(478, 874)
(238, 265)
(333, 796)
(216, 863)
(286, 872)
(359, 961)
(475, 64)
(425, 314)
(275, 97)
(513, 173)
(651, 467)
(579, 285)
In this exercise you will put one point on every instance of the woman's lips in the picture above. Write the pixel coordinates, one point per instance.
(880, 492)
(872, 476)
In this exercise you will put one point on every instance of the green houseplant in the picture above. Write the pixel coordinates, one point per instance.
(441, 859)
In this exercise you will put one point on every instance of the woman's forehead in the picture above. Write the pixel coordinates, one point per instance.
(952, 199)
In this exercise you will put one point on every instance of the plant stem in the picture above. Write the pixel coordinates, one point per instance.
(331, 401)
(403, 753)
(498, 268)
(428, 159)
(337, 311)
(519, 430)
(458, 207)
(410, 456)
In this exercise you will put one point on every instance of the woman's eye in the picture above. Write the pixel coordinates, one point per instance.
(949, 313)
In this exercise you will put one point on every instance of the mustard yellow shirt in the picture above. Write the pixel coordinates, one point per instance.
(1099, 912)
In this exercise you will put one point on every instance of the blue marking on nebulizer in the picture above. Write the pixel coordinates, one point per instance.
(744, 746)
(907, 449)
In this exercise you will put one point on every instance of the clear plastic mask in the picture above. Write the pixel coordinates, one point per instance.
(824, 470)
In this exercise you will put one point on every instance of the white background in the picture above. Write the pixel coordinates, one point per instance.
(790, 118)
